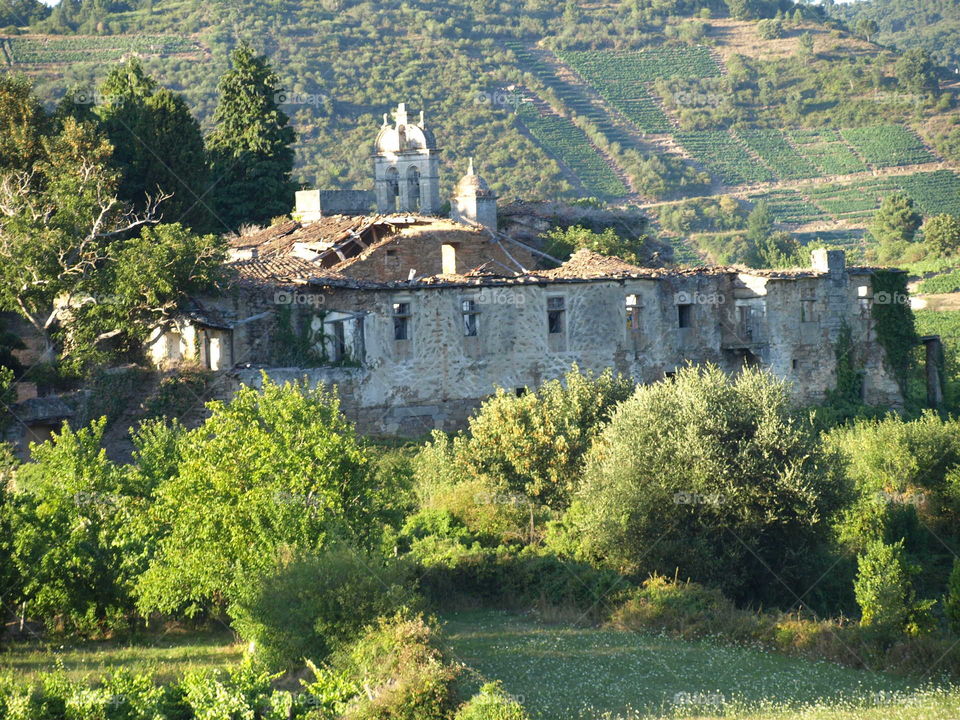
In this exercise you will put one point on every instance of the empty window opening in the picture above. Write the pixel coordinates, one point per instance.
(520, 391)
(745, 320)
(338, 339)
(633, 312)
(448, 258)
(684, 315)
(401, 321)
(556, 309)
(471, 318)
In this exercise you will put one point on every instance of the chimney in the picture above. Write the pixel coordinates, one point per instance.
(308, 206)
(833, 262)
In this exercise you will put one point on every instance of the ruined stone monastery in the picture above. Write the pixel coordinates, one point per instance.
(417, 318)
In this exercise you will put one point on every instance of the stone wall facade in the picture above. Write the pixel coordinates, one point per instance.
(460, 341)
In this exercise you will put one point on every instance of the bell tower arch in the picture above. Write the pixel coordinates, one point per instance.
(406, 166)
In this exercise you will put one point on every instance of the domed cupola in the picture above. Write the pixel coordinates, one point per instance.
(406, 165)
(473, 202)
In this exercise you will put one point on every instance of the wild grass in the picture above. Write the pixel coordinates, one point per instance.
(575, 673)
(166, 655)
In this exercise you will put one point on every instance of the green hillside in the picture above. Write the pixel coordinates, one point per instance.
(633, 102)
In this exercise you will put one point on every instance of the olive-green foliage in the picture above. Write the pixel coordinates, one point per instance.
(703, 214)
(710, 476)
(491, 703)
(311, 604)
(895, 223)
(907, 480)
(534, 443)
(275, 467)
(884, 592)
(770, 28)
(916, 72)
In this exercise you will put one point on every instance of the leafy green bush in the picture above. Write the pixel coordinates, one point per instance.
(712, 477)
(66, 513)
(394, 670)
(884, 592)
(276, 467)
(457, 574)
(311, 604)
(491, 703)
(535, 443)
(906, 476)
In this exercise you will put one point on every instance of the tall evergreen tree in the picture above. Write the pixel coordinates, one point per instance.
(250, 147)
(897, 220)
(158, 146)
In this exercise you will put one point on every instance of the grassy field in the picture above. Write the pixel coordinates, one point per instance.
(562, 673)
(168, 656)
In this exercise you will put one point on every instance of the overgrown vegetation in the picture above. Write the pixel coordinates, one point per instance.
(701, 506)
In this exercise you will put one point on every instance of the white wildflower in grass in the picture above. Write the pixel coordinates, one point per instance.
(567, 673)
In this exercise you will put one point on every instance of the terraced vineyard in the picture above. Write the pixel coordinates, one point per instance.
(33, 51)
(778, 154)
(724, 156)
(643, 66)
(570, 145)
(572, 96)
(790, 206)
(934, 192)
(619, 76)
(888, 145)
(827, 151)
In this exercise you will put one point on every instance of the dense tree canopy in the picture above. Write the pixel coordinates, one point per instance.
(250, 146)
(271, 469)
(712, 478)
(80, 264)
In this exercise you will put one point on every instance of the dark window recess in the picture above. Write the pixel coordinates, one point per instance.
(401, 321)
(339, 342)
(520, 391)
(555, 315)
(471, 318)
(684, 315)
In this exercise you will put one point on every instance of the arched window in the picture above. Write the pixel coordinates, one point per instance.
(393, 188)
(413, 187)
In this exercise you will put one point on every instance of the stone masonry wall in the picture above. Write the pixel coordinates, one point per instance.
(439, 376)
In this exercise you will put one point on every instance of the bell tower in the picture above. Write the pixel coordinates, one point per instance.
(406, 166)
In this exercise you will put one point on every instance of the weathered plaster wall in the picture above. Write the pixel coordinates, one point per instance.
(439, 375)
